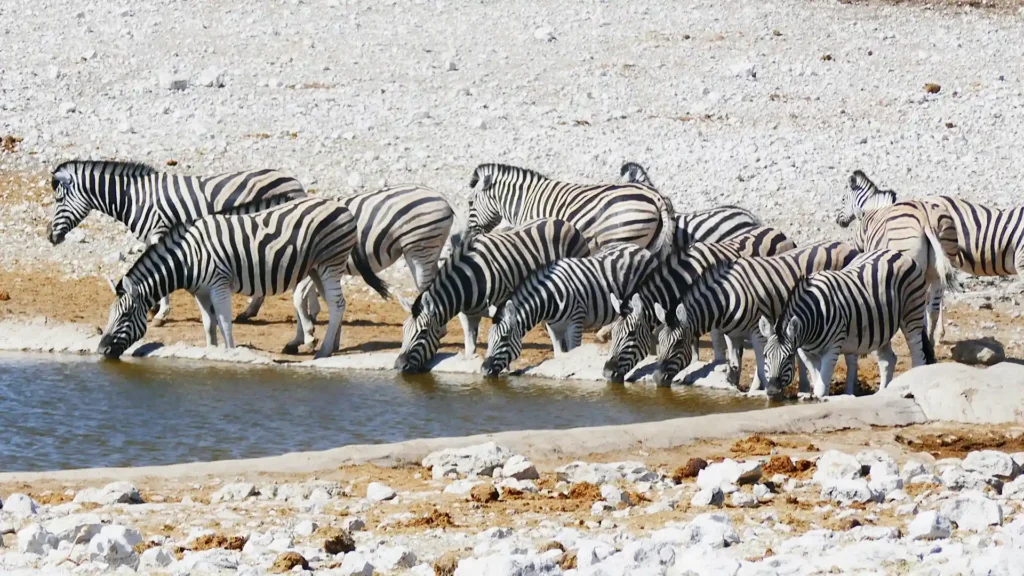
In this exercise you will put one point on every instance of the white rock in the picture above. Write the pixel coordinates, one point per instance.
(834, 466)
(391, 558)
(591, 552)
(1018, 459)
(743, 70)
(20, 505)
(355, 564)
(451, 65)
(600, 507)
(76, 528)
(544, 33)
(378, 492)
(906, 509)
(480, 124)
(956, 478)
(504, 565)
(914, 468)
(614, 495)
(305, 528)
(275, 83)
(520, 468)
(598, 474)
(355, 180)
(172, 81)
(207, 561)
(972, 510)
(712, 530)
(212, 77)
(34, 539)
(884, 468)
(1015, 489)
(53, 73)
(281, 544)
(114, 545)
(67, 108)
(743, 500)
(353, 524)
(992, 463)
(929, 525)
(708, 497)
(761, 492)
(728, 474)
(113, 493)
(848, 491)
(155, 558)
(881, 484)
(234, 492)
(481, 460)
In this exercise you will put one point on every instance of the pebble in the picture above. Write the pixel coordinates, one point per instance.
(378, 492)
(544, 33)
(519, 468)
(929, 525)
(992, 463)
(211, 78)
(172, 81)
(68, 108)
(20, 506)
(708, 497)
(305, 528)
(972, 510)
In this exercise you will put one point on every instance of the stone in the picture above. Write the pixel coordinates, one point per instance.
(600, 507)
(286, 561)
(211, 77)
(914, 468)
(305, 528)
(234, 492)
(207, 561)
(1015, 489)
(113, 493)
(884, 468)
(67, 108)
(959, 393)
(972, 510)
(544, 33)
(391, 558)
(712, 530)
(506, 565)
(353, 524)
(598, 474)
(451, 65)
(20, 505)
(480, 460)
(355, 564)
(34, 539)
(155, 558)
(315, 490)
(885, 484)
(281, 544)
(762, 493)
(985, 352)
(76, 528)
(729, 474)
(992, 463)
(743, 500)
(338, 541)
(484, 493)
(378, 492)
(956, 478)
(708, 497)
(743, 70)
(591, 552)
(849, 491)
(929, 525)
(480, 124)
(114, 545)
(520, 468)
(834, 466)
(172, 81)
(462, 487)
(614, 495)
(275, 83)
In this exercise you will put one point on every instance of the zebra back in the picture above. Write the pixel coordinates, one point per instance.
(990, 241)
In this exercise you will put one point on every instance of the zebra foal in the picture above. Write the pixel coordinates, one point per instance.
(570, 296)
(605, 214)
(258, 254)
(481, 272)
(150, 203)
(853, 311)
(731, 297)
(666, 283)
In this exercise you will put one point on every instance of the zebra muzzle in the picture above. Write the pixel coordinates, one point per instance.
(53, 237)
(108, 350)
(489, 368)
(612, 373)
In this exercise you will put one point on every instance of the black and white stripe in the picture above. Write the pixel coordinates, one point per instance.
(666, 283)
(481, 272)
(256, 255)
(403, 221)
(150, 203)
(853, 311)
(990, 240)
(605, 214)
(570, 296)
(731, 297)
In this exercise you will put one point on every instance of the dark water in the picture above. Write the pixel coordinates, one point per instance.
(70, 412)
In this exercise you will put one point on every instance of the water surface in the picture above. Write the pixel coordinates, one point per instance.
(76, 412)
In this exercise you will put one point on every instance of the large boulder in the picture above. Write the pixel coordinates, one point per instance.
(834, 466)
(929, 525)
(20, 506)
(76, 528)
(959, 393)
(972, 510)
(114, 545)
(507, 565)
(728, 474)
(480, 460)
(34, 539)
(992, 463)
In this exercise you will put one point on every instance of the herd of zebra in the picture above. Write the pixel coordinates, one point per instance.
(614, 257)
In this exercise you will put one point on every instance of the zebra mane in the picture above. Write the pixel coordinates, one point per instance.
(802, 286)
(634, 173)
(708, 277)
(502, 170)
(875, 198)
(126, 168)
(444, 269)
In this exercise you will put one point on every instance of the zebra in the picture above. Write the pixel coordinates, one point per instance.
(481, 273)
(708, 225)
(852, 311)
(605, 214)
(150, 203)
(404, 220)
(730, 297)
(666, 283)
(922, 229)
(990, 240)
(255, 254)
(570, 295)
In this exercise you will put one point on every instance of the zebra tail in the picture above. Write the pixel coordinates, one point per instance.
(947, 270)
(363, 266)
(666, 239)
(929, 347)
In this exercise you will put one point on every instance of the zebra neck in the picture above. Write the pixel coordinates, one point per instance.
(162, 269)
(127, 199)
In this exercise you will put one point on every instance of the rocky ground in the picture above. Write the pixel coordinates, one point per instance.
(919, 500)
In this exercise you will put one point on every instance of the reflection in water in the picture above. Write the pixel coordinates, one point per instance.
(71, 412)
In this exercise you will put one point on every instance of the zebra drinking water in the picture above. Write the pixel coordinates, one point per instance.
(852, 311)
(399, 221)
(731, 297)
(481, 272)
(258, 254)
(571, 295)
(150, 203)
(605, 214)
(667, 283)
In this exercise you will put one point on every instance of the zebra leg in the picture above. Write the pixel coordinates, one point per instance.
(328, 282)
(206, 312)
(160, 318)
(933, 312)
(306, 287)
(470, 327)
(812, 368)
(886, 364)
(804, 387)
(757, 343)
(735, 360)
(717, 344)
(304, 326)
(423, 270)
(828, 366)
(851, 374)
(251, 310)
(221, 297)
(559, 344)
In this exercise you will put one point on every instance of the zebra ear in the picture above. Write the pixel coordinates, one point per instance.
(660, 313)
(636, 303)
(792, 328)
(681, 314)
(405, 302)
(112, 284)
(615, 302)
(765, 326)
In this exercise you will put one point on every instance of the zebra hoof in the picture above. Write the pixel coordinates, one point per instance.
(158, 322)
(289, 348)
(242, 318)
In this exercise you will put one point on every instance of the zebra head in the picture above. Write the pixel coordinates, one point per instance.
(504, 341)
(632, 338)
(862, 196)
(126, 323)
(72, 202)
(779, 352)
(634, 173)
(675, 344)
(421, 335)
(484, 209)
